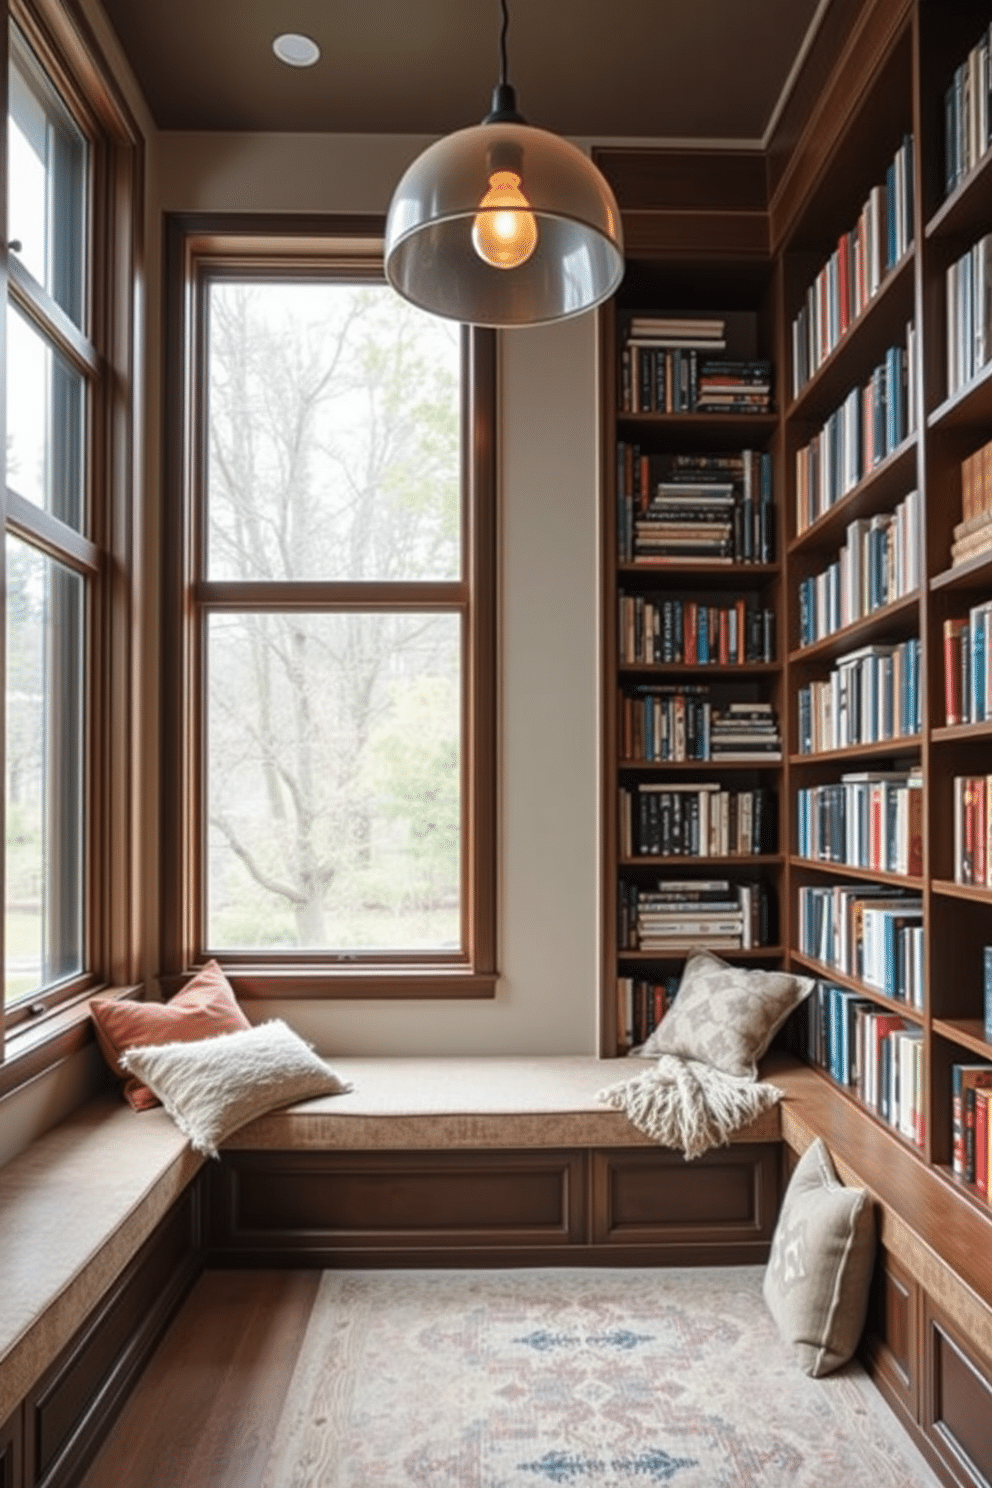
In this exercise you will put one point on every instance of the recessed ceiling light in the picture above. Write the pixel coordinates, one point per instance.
(296, 50)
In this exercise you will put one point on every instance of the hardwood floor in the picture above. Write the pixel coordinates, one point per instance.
(203, 1413)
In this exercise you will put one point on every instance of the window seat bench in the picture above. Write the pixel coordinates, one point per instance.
(484, 1161)
(107, 1220)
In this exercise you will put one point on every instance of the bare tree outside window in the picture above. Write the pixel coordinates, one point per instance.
(334, 724)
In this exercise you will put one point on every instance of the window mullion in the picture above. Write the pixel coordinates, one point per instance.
(314, 595)
(51, 321)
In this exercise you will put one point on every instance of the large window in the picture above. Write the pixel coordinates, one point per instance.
(67, 416)
(336, 578)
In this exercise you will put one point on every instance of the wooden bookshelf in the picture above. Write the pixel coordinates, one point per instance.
(896, 93)
(735, 293)
(956, 424)
(693, 254)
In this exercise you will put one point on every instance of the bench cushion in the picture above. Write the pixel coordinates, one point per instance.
(496, 1102)
(75, 1206)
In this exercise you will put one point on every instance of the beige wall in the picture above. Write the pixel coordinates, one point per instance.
(547, 998)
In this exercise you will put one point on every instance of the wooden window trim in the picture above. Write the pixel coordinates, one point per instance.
(259, 244)
(36, 1036)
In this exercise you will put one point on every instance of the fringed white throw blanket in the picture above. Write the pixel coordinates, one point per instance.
(685, 1104)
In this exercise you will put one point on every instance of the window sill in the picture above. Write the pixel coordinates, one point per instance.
(252, 983)
(35, 1046)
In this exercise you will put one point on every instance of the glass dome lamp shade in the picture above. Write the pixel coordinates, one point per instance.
(455, 241)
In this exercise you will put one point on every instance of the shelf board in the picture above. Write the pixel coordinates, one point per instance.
(653, 861)
(968, 1032)
(884, 485)
(860, 632)
(853, 1100)
(948, 889)
(974, 574)
(831, 974)
(761, 425)
(884, 315)
(699, 570)
(966, 209)
(969, 408)
(951, 733)
(709, 765)
(752, 953)
(741, 670)
(862, 875)
(964, 1190)
(909, 744)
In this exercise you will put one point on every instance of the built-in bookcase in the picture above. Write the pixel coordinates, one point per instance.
(854, 580)
(877, 885)
(957, 422)
(884, 369)
(690, 821)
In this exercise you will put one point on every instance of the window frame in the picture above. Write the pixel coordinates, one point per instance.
(200, 249)
(37, 1032)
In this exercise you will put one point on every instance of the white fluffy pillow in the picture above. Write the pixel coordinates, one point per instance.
(212, 1087)
(726, 1016)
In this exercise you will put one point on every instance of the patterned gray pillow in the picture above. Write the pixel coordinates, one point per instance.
(725, 1016)
(819, 1271)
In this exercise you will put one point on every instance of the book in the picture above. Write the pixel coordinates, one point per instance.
(987, 967)
(954, 631)
(965, 1079)
(971, 796)
(982, 1098)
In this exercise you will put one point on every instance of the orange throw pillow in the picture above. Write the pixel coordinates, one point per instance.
(206, 1006)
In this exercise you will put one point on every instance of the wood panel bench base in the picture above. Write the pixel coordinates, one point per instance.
(569, 1206)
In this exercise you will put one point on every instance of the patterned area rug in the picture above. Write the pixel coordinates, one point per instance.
(605, 1378)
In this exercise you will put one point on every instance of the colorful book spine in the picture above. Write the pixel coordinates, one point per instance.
(982, 1098)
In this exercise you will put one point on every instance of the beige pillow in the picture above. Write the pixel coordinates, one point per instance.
(213, 1086)
(819, 1271)
(726, 1016)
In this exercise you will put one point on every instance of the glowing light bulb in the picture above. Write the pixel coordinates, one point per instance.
(504, 233)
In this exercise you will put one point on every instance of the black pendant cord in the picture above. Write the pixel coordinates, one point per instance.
(504, 105)
(502, 41)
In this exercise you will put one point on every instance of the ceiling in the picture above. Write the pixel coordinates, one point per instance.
(591, 69)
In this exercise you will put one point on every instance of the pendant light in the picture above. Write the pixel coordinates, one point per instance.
(503, 224)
